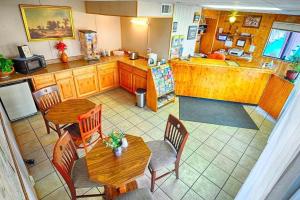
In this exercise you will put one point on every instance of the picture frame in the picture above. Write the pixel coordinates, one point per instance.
(55, 22)
(222, 37)
(196, 17)
(192, 32)
(252, 21)
(240, 42)
(175, 26)
(24, 51)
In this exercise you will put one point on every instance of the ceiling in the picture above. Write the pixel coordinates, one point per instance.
(290, 7)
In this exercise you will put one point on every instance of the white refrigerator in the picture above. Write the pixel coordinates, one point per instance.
(17, 100)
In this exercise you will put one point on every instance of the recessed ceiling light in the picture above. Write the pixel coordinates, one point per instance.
(240, 7)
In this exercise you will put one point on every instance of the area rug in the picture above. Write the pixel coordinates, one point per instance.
(214, 112)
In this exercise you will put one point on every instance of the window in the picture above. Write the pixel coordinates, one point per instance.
(282, 44)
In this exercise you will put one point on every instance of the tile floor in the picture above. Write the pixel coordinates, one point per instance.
(214, 165)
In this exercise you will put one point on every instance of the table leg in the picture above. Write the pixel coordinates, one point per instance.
(58, 130)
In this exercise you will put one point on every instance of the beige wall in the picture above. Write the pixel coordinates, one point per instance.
(155, 35)
(12, 32)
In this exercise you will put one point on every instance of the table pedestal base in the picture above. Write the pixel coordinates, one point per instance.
(111, 192)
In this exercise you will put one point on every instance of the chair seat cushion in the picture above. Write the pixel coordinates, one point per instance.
(80, 175)
(163, 154)
(139, 194)
(74, 130)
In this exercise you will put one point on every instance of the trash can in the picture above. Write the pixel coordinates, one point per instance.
(140, 97)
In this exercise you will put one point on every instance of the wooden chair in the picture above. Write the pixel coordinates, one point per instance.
(88, 124)
(45, 98)
(72, 168)
(169, 150)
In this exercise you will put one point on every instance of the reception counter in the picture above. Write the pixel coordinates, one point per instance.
(220, 80)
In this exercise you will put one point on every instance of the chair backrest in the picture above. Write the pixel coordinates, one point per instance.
(46, 97)
(217, 56)
(64, 157)
(176, 134)
(89, 123)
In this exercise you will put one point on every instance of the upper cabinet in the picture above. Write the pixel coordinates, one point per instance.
(129, 8)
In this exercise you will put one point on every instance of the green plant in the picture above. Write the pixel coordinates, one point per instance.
(295, 62)
(5, 64)
(114, 140)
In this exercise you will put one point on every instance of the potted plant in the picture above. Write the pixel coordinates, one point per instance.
(61, 47)
(114, 141)
(6, 67)
(292, 74)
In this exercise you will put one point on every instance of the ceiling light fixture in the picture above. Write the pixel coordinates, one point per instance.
(240, 7)
(140, 21)
(232, 19)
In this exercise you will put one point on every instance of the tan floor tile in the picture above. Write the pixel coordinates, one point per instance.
(193, 143)
(238, 145)
(48, 139)
(37, 124)
(191, 195)
(25, 138)
(222, 136)
(155, 120)
(207, 152)
(187, 174)
(135, 119)
(197, 162)
(247, 162)
(49, 150)
(160, 195)
(224, 163)
(205, 188)
(145, 126)
(156, 133)
(186, 153)
(30, 147)
(38, 156)
(223, 196)
(231, 153)
(22, 128)
(232, 186)
(59, 194)
(41, 170)
(214, 143)
(199, 134)
(216, 175)
(47, 185)
(253, 152)
(174, 188)
(228, 129)
(240, 173)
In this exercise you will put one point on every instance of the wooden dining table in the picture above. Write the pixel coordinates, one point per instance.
(118, 174)
(68, 111)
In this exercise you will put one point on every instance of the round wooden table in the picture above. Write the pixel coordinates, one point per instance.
(118, 174)
(67, 112)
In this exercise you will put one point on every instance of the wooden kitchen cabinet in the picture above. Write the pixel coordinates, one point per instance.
(41, 81)
(275, 95)
(125, 76)
(86, 81)
(108, 76)
(66, 85)
(139, 79)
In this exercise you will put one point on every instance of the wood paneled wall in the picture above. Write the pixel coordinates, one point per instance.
(261, 34)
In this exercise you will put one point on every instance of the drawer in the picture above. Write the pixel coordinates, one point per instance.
(107, 66)
(140, 72)
(42, 81)
(63, 75)
(125, 67)
(85, 70)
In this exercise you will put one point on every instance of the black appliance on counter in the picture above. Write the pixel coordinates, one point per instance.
(29, 65)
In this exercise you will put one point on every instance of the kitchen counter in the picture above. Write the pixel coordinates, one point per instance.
(220, 80)
(52, 68)
(237, 65)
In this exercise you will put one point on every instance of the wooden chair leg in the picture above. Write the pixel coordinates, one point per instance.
(153, 177)
(177, 170)
(47, 125)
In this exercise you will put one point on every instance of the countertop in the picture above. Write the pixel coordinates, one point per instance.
(227, 63)
(52, 68)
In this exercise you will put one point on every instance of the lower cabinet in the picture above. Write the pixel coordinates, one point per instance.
(108, 76)
(132, 78)
(125, 77)
(86, 82)
(66, 85)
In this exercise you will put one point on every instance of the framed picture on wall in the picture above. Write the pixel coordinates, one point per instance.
(54, 22)
(252, 21)
(192, 33)
(240, 43)
(222, 37)
(175, 25)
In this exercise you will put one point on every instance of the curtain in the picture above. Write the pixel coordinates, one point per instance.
(281, 149)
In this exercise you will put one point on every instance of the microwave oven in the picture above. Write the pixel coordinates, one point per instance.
(29, 65)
